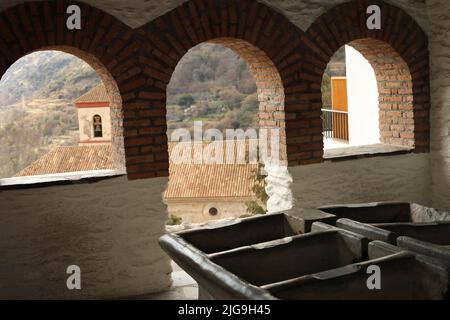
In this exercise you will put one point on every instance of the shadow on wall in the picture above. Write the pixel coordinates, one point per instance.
(388, 178)
(88, 225)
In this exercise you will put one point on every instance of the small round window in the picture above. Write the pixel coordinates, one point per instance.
(213, 211)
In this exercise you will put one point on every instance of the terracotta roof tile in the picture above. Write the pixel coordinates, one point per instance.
(96, 94)
(210, 180)
(71, 159)
(185, 181)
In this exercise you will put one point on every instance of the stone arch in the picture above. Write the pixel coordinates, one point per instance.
(266, 39)
(103, 42)
(398, 52)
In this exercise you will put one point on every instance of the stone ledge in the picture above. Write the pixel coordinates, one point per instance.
(42, 181)
(366, 151)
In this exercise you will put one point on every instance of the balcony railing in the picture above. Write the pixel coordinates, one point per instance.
(335, 124)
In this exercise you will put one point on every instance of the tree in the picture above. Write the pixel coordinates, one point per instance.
(186, 100)
(258, 206)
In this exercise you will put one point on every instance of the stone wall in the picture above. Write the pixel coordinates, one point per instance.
(196, 210)
(439, 15)
(388, 178)
(108, 228)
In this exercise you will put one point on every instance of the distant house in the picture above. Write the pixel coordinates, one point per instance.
(196, 193)
(202, 192)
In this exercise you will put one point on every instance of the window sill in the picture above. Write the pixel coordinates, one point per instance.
(58, 179)
(366, 151)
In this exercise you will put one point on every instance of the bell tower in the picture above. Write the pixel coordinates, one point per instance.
(94, 118)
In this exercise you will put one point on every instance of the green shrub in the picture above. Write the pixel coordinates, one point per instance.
(173, 220)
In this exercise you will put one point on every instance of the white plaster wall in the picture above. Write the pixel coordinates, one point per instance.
(108, 228)
(278, 188)
(197, 210)
(363, 112)
(85, 123)
(388, 178)
(439, 46)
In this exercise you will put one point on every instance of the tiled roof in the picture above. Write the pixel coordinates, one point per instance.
(210, 180)
(185, 181)
(96, 94)
(71, 159)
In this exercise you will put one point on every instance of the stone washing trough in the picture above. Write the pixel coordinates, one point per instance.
(226, 235)
(386, 212)
(404, 276)
(266, 257)
(426, 229)
(433, 232)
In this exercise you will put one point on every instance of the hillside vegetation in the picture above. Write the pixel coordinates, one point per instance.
(211, 83)
(36, 109)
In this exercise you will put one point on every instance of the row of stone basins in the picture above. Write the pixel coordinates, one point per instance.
(386, 250)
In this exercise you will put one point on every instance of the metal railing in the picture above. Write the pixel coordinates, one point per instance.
(335, 124)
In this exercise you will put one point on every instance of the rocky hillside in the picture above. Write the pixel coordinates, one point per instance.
(36, 106)
(46, 75)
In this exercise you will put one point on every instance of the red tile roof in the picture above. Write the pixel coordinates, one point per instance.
(210, 180)
(96, 94)
(185, 181)
(71, 159)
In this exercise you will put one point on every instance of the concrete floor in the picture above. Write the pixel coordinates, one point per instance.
(330, 143)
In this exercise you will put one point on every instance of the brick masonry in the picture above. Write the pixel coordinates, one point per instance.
(399, 55)
(136, 65)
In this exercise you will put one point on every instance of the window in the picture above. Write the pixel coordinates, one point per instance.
(98, 129)
(213, 211)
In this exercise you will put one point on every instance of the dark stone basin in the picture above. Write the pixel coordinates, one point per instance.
(403, 276)
(386, 212)
(431, 239)
(292, 257)
(427, 230)
(243, 232)
(268, 257)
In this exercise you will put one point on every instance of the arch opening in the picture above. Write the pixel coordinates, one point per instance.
(367, 100)
(210, 170)
(63, 125)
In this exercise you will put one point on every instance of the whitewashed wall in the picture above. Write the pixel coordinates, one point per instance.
(108, 228)
(362, 89)
(86, 123)
(404, 177)
(400, 177)
(439, 14)
(196, 210)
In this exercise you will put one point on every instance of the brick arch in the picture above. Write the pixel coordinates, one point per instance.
(103, 42)
(247, 27)
(399, 55)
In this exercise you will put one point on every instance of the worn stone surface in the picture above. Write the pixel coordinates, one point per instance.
(439, 14)
(402, 177)
(109, 229)
(278, 188)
